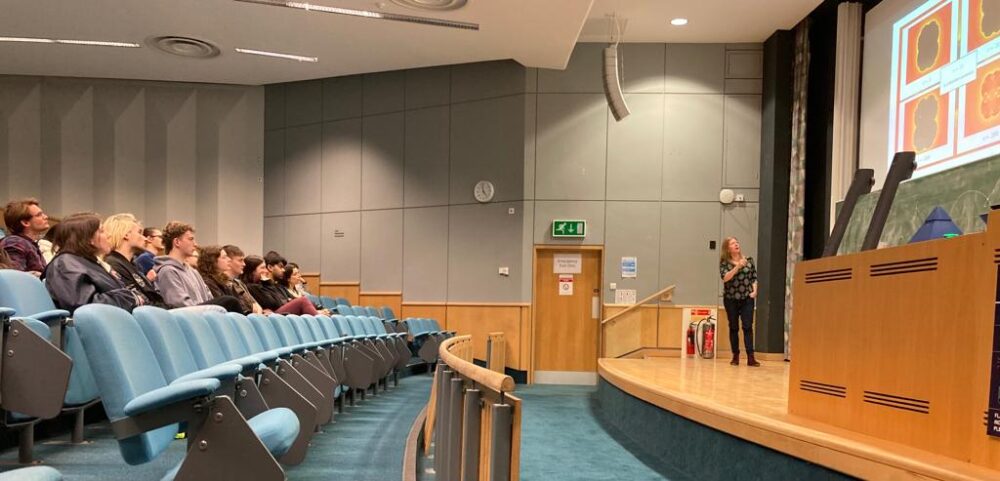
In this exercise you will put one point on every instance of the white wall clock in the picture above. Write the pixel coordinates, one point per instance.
(484, 191)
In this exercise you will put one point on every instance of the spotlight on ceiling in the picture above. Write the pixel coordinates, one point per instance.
(285, 56)
(679, 22)
(89, 43)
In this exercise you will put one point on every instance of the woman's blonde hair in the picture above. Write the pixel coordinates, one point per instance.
(724, 256)
(118, 226)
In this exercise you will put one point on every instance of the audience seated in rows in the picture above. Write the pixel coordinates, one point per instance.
(178, 283)
(236, 265)
(125, 235)
(26, 224)
(153, 247)
(268, 293)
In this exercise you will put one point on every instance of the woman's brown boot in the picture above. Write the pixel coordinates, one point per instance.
(736, 359)
(751, 361)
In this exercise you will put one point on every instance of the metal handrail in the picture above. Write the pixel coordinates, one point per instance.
(659, 293)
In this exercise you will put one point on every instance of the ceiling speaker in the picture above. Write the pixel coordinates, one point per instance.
(612, 86)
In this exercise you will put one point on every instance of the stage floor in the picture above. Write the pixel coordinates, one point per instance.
(752, 404)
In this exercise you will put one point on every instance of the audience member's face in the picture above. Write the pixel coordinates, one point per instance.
(192, 260)
(155, 241)
(277, 271)
(260, 273)
(236, 265)
(224, 263)
(134, 238)
(296, 278)
(186, 244)
(38, 223)
(100, 242)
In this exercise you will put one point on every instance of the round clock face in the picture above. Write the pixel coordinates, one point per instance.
(484, 191)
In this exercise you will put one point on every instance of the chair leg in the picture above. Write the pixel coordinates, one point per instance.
(77, 436)
(26, 445)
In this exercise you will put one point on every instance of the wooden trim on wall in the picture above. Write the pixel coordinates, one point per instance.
(328, 283)
(375, 293)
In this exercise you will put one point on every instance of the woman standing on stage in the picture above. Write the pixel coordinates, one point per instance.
(739, 276)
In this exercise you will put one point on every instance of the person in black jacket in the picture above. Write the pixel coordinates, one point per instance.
(74, 277)
(125, 236)
(268, 293)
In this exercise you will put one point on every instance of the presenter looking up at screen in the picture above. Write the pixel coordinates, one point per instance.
(739, 276)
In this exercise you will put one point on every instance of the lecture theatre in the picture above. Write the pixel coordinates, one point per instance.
(499, 240)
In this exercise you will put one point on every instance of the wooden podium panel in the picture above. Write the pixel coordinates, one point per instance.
(896, 343)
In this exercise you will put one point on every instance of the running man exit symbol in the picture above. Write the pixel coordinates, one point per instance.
(569, 228)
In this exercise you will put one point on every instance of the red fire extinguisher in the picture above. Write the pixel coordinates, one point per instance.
(690, 340)
(709, 341)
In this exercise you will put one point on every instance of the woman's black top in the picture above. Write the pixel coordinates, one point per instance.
(74, 281)
(268, 294)
(741, 285)
(133, 278)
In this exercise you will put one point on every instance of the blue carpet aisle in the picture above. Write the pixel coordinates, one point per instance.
(365, 444)
(563, 440)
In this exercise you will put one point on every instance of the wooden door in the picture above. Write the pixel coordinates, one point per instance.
(566, 324)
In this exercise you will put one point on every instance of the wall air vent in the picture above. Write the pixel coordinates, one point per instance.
(829, 276)
(184, 46)
(898, 402)
(823, 388)
(904, 267)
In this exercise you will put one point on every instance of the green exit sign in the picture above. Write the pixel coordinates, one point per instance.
(569, 228)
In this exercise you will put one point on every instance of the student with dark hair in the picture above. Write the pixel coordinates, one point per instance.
(125, 235)
(153, 247)
(236, 265)
(26, 223)
(268, 293)
(213, 263)
(178, 283)
(74, 277)
(275, 264)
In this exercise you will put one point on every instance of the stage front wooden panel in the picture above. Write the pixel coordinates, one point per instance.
(896, 343)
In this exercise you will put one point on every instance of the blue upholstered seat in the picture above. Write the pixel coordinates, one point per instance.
(35, 473)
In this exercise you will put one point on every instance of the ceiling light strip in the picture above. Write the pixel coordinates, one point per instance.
(285, 56)
(367, 14)
(90, 43)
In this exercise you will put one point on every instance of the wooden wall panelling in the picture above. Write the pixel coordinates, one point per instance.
(312, 282)
(631, 332)
(378, 299)
(348, 290)
(478, 320)
(426, 310)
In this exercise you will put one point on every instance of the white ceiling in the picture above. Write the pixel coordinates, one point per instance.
(710, 21)
(536, 33)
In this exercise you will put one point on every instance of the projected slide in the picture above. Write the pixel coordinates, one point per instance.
(945, 93)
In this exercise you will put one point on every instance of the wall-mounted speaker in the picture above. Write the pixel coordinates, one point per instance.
(612, 85)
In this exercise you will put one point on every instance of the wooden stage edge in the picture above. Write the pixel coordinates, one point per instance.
(752, 404)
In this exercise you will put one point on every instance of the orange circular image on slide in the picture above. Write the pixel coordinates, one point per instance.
(984, 22)
(982, 99)
(928, 43)
(925, 122)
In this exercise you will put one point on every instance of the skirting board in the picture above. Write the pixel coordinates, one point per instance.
(566, 377)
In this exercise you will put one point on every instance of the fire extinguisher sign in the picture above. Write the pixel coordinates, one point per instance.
(993, 421)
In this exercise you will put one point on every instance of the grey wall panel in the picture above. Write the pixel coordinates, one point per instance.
(181, 148)
(341, 247)
(382, 162)
(302, 236)
(341, 184)
(481, 239)
(426, 171)
(530, 131)
(590, 211)
(240, 216)
(425, 254)
(695, 68)
(303, 103)
(531, 80)
(692, 161)
(583, 73)
(635, 150)
(744, 86)
(527, 248)
(642, 67)
(633, 230)
(428, 87)
(487, 143)
(740, 221)
(741, 154)
(384, 92)
(744, 63)
(20, 141)
(382, 250)
(274, 172)
(484, 80)
(571, 147)
(67, 146)
(303, 159)
(119, 150)
(169, 145)
(274, 107)
(685, 259)
(274, 236)
(342, 97)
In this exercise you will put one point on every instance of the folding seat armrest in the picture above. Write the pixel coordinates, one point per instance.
(6, 312)
(174, 393)
(50, 316)
(221, 372)
(247, 363)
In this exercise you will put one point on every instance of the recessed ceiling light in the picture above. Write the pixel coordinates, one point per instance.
(91, 43)
(352, 12)
(679, 22)
(285, 56)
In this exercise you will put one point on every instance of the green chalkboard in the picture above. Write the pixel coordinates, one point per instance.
(965, 192)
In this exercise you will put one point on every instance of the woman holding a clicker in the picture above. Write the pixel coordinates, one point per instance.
(739, 276)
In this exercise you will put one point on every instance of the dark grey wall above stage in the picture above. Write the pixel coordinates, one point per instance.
(370, 177)
(160, 150)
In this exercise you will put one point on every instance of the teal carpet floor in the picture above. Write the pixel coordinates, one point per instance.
(365, 444)
(562, 439)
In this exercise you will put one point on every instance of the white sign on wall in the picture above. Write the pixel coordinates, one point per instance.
(567, 263)
(630, 267)
(566, 284)
(625, 296)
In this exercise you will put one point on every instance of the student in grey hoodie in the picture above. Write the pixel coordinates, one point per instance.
(178, 283)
